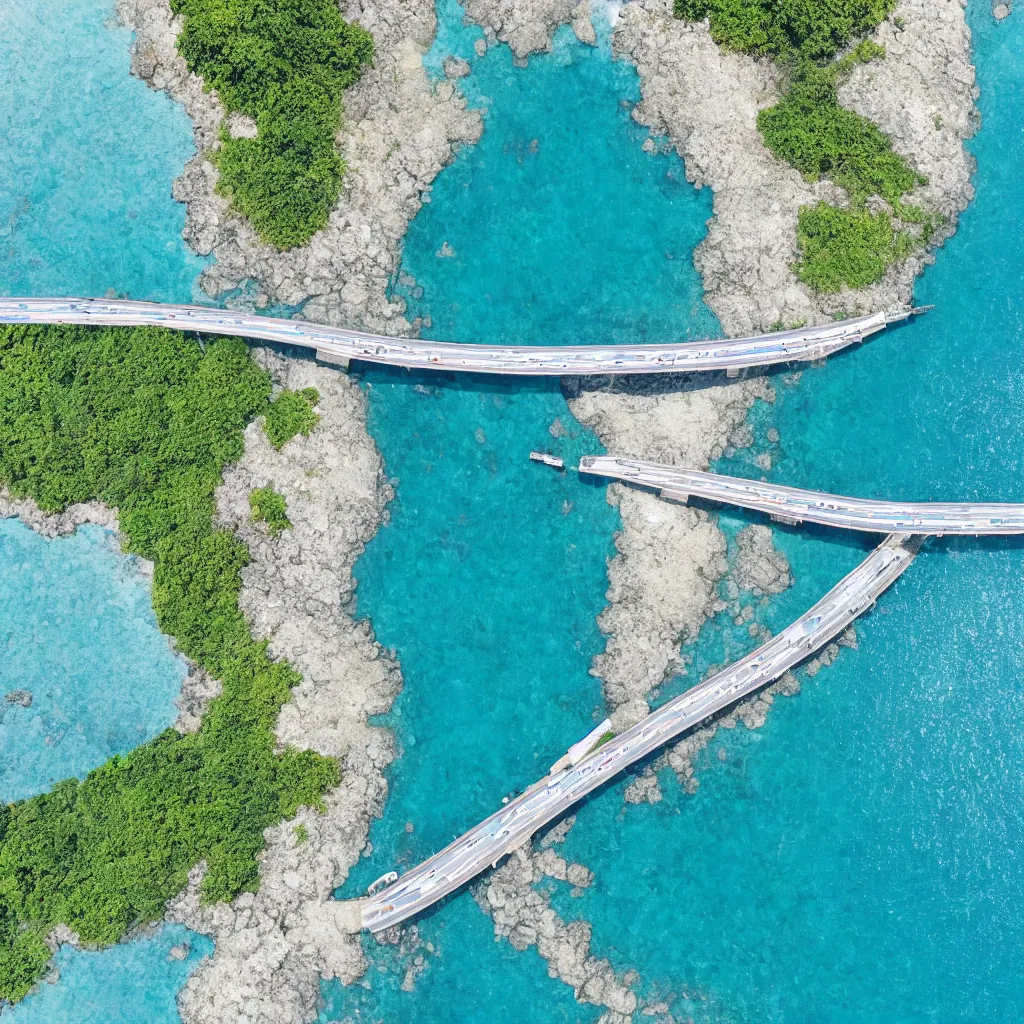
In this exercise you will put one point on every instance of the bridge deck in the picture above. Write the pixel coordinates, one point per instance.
(794, 505)
(515, 823)
(334, 344)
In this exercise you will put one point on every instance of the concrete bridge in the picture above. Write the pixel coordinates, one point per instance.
(483, 846)
(794, 505)
(335, 345)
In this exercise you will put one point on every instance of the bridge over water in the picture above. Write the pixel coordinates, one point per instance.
(513, 826)
(336, 345)
(795, 505)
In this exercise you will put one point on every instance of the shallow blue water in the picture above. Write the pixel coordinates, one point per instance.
(466, 977)
(128, 984)
(77, 630)
(492, 571)
(859, 857)
(87, 157)
(560, 228)
(491, 574)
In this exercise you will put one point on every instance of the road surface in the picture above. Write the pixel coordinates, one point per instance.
(794, 505)
(332, 344)
(483, 846)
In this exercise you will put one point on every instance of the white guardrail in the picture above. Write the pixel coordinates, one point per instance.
(483, 846)
(335, 345)
(795, 505)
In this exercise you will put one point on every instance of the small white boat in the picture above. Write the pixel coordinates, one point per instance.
(549, 460)
(382, 882)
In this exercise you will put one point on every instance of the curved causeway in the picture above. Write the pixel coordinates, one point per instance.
(507, 829)
(335, 345)
(795, 505)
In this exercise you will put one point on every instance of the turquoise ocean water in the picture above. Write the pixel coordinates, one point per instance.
(491, 574)
(77, 629)
(134, 983)
(856, 859)
(87, 157)
(859, 857)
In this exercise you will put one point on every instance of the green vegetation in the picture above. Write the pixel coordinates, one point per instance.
(810, 29)
(270, 507)
(810, 130)
(289, 414)
(301, 834)
(821, 139)
(846, 247)
(285, 63)
(145, 421)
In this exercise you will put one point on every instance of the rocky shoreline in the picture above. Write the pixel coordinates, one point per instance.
(400, 130)
(523, 914)
(664, 580)
(272, 947)
(706, 102)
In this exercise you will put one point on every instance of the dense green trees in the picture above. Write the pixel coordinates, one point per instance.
(270, 507)
(145, 420)
(285, 63)
(849, 247)
(810, 29)
(289, 414)
(810, 130)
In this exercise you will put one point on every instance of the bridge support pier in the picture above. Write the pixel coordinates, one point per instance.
(323, 356)
(679, 497)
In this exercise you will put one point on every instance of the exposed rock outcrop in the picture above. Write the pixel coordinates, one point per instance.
(400, 130)
(664, 578)
(273, 946)
(706, 100)
(526, 25)
(62, 524)
(523, 914)
(760, 567)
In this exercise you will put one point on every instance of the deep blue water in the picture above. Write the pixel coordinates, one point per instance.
(87, 157)
(859, 857)
(77, 630)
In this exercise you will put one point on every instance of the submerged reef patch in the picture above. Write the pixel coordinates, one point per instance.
(145, 421)
(285, 65)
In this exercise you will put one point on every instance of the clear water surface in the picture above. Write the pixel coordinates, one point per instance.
(87, 157)
(858, 859)
(78, 632)
(133, 983)
(555, 228)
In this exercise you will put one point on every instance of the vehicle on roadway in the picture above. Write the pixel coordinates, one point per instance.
(339, 346)
(795, 505)
(515, 824)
